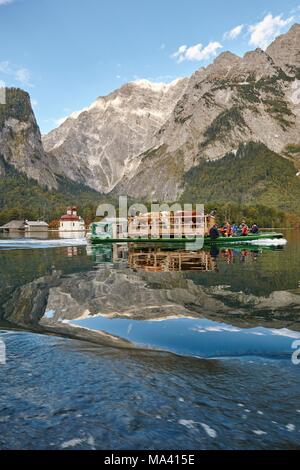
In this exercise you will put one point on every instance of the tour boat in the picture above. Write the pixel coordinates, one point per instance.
(115, 230)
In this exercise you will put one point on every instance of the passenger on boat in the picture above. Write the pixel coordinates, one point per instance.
(222, 230)
(254, 228)
(235, 229)
(229, 231)
(214, 232)
(245, 230)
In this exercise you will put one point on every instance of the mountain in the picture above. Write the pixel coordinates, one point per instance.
(285, 51)
(95, 146)
(29, 185)
(20, 139)
(24, 198)
(233, 100)
(235, 123)
(252, 174)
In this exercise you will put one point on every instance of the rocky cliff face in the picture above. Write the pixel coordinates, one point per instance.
(233, 100)
(142, 139)
(20, 139)
(285, 50)
(96, 145)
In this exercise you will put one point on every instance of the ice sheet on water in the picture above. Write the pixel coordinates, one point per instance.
(31, 243)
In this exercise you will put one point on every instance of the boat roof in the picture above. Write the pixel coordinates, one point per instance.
(14, 224)
(36, 223)
(113, 220)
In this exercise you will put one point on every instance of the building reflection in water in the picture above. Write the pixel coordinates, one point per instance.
(72, 251)
(162, 258)
(158, 260)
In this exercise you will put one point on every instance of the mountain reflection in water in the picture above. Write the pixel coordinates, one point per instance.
(129, 288)
(131, 306)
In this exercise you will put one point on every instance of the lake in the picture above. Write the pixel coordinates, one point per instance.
(149, 347)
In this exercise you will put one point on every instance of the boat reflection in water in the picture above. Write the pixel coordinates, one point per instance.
(230, 315)
(163, 297)
(158, 258)
(159, 297)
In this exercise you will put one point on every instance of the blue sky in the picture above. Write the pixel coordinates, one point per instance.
(66, 53)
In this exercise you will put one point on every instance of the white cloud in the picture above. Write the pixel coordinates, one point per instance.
(58, 122)
(4, 66)
(34, 103)
(161, 79)
(234, 33)
(179, 55)
(16, 73)
(196, 53)
(5, 2)
(265, 31)
(23, 76)
(295, 10)
(55, 122)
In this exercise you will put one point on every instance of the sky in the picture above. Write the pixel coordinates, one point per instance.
(66, 53)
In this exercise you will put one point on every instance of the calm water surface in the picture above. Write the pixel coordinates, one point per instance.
(148, 347)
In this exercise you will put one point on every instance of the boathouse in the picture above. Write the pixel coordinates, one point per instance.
(33, 226)
(27, 226)
(13, 226)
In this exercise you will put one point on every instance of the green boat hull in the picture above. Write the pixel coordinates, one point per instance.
(243, 239)
(207, 240)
